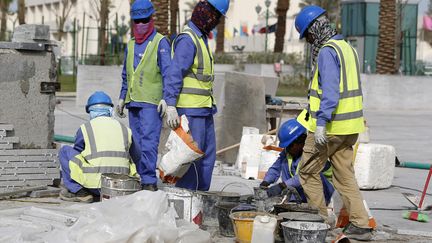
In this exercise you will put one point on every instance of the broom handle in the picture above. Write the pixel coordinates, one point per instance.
(425, 188)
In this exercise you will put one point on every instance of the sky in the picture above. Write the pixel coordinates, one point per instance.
(423, 5)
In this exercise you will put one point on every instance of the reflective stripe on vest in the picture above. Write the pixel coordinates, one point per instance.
(197, 90)
(107, 143)
(347, 118)
(145, 82)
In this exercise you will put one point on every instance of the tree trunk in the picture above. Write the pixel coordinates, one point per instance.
(281, 10)
(174, 8)
(102, 29)
(386, 56)
(21, 12)
(3, 26)
(162, 16)
(220, 38)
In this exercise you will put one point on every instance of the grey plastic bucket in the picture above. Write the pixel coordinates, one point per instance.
(114, 185)
(304, 232)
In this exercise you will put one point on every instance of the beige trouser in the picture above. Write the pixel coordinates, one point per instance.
(339, 150)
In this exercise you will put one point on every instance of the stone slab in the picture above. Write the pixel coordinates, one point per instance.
(50, 191)
(21, 164)
(31, 32)
(8, 140)
(29, 177)
(37, 152)
(6, 146)
(29, 158)
(22, 183)
(6, 127)
(22, 171)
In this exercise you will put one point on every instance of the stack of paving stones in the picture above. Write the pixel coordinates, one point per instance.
(21, 168)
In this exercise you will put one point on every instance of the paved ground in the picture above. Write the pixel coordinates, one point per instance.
(408, 131)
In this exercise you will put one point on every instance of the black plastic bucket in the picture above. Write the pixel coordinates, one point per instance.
(305, 232)
(225, 225)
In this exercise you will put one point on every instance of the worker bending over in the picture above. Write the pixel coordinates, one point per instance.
(292, 136)
(102, 145)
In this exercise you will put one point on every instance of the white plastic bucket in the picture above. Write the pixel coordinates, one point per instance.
(187, 204)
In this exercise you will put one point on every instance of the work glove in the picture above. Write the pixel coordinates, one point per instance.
(290, 191)
(275, 190)
(120, 108)
(173, 119)
(162, 107)
(320, 135)
(264, 185)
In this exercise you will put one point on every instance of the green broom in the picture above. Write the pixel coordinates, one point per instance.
(418, 215)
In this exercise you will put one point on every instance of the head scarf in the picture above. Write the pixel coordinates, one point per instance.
(321, 31)
(205, 17)
(100, 110)
(142, 31)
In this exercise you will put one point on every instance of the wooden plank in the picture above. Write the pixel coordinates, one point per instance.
(29, 177)
(36, 164)
(18, 152)
(29, 158)
(20, 171)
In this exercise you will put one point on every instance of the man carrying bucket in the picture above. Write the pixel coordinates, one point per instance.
(292, 137)
(102, 145)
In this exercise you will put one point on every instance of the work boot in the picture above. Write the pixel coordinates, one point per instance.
(80, 196)
(356, 233)
(149, 187)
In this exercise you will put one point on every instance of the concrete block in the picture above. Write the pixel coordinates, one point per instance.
(9, 140)
(6, 127)
(49, 192)
(22, 183)
(26, 152)
(19, 171)
(374, 166)
(6, 146)
(244, 105)
(20, 84)
(2, 133)
(31, 33)
(29, 177)
(26, 164)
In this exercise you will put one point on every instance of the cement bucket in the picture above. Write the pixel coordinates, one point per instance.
(115, 185)
(305, 232)
(187, 204)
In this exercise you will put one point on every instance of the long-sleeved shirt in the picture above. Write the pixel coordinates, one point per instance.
(329, 81)
(291, 178)
(134, 149)
(184, 55)
(163, 60)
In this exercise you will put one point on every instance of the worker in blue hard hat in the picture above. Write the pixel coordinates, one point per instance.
(190, 88)
(102, 145)
(334, 118)
(146, 64)
(292, 136)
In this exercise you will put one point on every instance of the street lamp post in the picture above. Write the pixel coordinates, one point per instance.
(267, 4)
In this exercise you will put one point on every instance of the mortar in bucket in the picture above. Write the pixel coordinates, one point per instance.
(243, 225)
(304, 232)
(114, 185)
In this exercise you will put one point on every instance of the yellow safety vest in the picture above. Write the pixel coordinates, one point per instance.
(145, 82)
(197, 90)
(348, 116)
(107, 144)
(290, 161)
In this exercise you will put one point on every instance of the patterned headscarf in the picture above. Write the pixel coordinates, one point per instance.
(321, 31)
(205, 17)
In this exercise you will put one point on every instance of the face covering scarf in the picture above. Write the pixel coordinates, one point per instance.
(205, 17)
(142, 31)
(97, 111)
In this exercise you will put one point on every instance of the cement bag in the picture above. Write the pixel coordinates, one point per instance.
(182, 151)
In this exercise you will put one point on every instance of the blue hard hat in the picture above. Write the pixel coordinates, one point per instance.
(289, 132)
(98, 97)
(142, 9)
(220, 5)
(305, 18)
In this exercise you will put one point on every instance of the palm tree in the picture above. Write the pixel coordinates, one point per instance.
(281, 10)
(162, 16)
(4, 9)
(220, 38)
(174, 8)
(386, 56)
(21, 12)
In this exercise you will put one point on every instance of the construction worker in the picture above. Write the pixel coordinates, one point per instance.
(334, 118)
(102, 145)
(190, 86)
(292, 136)
(147, 59)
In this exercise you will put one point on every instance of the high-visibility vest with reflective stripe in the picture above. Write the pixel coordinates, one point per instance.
(348, 115)
(107, 144)
(197, 90)
(145, 82)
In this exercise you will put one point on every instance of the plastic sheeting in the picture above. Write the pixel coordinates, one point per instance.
(141, 217)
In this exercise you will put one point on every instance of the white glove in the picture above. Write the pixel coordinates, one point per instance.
(162, 107)
(173, 120)
(320, 135)
(119, 109)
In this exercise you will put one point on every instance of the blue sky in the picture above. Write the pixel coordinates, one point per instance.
(422, 6)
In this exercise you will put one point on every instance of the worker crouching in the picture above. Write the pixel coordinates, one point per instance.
(102, 145)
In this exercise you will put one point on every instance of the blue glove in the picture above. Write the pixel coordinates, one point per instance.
(275, 190)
